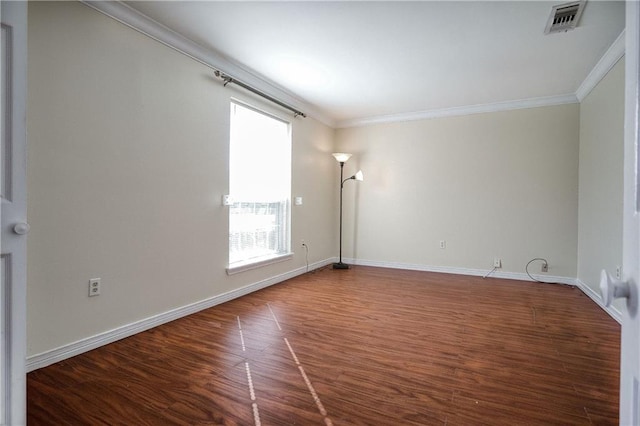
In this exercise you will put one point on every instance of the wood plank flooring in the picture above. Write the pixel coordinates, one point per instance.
(365, 346)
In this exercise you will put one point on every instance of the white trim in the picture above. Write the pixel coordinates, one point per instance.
(462, 110)
(155, 30)
(13, 306)
(462, 271)
(612, 311)
(249, 265)
(84, 345)
(604, 65)
(593, 295)
(44, 359)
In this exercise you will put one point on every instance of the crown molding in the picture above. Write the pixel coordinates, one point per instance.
(604, 65)
(208, 57)
(463, 110)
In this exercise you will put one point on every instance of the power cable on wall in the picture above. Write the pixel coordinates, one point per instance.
(545, 265)
(306, 258)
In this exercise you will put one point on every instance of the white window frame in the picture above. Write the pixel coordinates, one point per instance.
(241, 266)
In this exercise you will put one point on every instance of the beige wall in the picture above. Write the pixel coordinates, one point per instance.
(501, 184)
(601, 179)
(128, 160)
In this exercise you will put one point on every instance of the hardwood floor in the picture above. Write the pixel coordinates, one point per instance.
(365, 346)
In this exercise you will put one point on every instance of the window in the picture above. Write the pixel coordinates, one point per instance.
(260, 187)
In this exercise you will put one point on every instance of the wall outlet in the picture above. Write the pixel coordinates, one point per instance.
(94, 287)
(497, 262)
(544, 267)
(619, 272)
(443, 244)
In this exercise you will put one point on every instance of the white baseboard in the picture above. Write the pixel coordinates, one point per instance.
(84, 345)
(595, 296)
(464, 271)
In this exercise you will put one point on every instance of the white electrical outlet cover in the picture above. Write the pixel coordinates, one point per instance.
(227, 200)
(94, 287)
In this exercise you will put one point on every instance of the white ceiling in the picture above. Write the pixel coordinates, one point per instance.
(353, 60)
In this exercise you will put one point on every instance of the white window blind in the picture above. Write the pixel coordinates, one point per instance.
(260, 186)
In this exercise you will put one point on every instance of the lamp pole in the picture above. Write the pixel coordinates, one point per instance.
(342, 157)
(341, 265)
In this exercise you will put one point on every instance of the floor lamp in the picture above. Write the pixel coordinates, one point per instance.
(342, 158)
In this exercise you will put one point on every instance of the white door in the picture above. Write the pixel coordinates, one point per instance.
(630, 347)
(13, 245)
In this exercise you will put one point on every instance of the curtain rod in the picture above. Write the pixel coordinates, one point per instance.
(227, 79)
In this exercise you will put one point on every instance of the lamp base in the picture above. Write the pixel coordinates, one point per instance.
(340, 265)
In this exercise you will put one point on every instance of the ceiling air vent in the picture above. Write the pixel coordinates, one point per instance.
(564, 17)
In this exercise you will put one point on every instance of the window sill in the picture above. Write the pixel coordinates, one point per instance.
(254, 264)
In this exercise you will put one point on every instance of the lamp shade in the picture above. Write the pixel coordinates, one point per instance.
(359, 176)
(341, 157)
